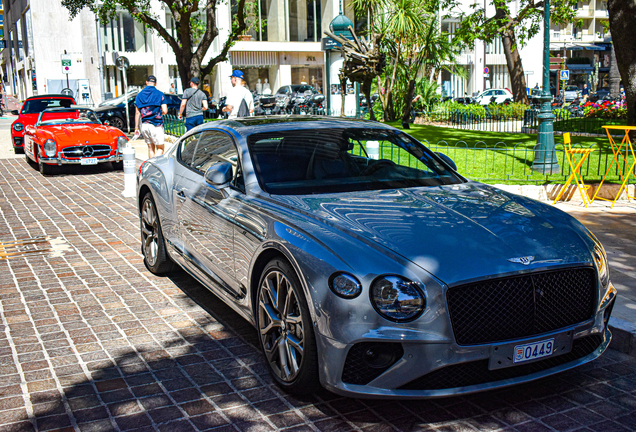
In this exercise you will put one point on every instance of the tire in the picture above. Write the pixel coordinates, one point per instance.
(118, 166)
(117, 122)
(286, 330)
(153, 245)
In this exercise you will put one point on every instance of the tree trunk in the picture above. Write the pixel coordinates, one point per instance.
(408, 102)
(366, 90)
(515, 67)
(621, 19)
(614, 74)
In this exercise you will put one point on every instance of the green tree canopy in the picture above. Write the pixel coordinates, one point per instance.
(515, 26)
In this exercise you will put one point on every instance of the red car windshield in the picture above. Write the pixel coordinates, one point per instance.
(70, 116)
(34, 106)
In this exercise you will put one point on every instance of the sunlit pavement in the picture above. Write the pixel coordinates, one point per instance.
(91, 341)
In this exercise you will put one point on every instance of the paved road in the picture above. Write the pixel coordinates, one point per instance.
(90, 340)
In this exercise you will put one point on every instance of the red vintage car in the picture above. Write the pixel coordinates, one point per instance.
(72, 136)
(28, 114)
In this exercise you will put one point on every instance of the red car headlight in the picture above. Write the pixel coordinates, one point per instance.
(50, 148)
(122, 142)
(18, 127)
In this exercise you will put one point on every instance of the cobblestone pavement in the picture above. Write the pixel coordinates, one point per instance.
(91, 341)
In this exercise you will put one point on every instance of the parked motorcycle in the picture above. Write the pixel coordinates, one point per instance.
(266, 106)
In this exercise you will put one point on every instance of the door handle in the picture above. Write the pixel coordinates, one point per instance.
(181, 196)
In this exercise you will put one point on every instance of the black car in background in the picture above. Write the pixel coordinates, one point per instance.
(113, 111)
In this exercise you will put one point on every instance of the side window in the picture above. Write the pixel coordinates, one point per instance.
(214, 147)
(187, 149)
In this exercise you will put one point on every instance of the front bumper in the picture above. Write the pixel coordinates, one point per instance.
(427, 367)
(408, 377)
(58, 160)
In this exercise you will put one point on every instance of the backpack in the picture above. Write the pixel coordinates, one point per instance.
(244, 110)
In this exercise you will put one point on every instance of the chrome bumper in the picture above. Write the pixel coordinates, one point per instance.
(58, 160)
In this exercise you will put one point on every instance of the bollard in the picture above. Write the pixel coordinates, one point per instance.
(373, 149)
(130, 183)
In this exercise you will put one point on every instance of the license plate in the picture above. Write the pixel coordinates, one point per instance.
(533, 351)
(303, 113)
(88, 161)
(268, 111)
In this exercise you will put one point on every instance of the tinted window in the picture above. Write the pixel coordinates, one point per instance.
(300, 162)
(214, 147)
(187, 148)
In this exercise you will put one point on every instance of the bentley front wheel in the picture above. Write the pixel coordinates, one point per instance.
(152, 243)
(286, 332)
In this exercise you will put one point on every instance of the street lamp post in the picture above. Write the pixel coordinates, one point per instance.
(545, 161)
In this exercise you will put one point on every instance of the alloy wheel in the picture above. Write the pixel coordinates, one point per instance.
(149, 231)
(281, 325)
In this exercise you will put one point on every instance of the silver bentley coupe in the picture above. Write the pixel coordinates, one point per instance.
(368, 265)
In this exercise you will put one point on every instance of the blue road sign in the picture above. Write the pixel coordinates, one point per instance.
(565, 75)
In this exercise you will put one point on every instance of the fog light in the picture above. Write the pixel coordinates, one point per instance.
(50, 148)
(380, 356)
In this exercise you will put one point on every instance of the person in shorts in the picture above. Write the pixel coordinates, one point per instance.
(194, 101)
(151, 107)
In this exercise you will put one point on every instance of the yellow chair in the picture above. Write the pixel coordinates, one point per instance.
(575, 174)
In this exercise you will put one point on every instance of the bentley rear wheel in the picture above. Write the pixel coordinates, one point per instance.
(152, 243)
(286, 332)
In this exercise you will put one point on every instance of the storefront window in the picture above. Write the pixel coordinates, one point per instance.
(29, 29)
(257, 78)
(308, 75)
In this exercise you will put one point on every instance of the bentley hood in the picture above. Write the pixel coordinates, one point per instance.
(455, 233)
(70, 135)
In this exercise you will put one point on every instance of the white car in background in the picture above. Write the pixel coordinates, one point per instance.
(570, 93)
(494, 96)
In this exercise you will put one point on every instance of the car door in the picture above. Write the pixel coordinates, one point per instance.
(207, 213)
(183, 179)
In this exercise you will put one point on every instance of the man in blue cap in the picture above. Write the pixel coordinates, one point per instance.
(194, 101)
(237, 95)
(151, 107)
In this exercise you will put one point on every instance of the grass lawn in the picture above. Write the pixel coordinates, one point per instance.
(495, 157)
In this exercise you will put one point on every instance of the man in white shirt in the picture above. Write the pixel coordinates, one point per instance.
(237, 94)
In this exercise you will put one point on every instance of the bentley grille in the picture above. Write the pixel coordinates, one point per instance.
(86, 151)
(515, 307)
(477, 372)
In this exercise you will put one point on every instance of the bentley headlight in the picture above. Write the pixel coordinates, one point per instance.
(601, 264)
(344, 285)
(397, 298)
(18, 127)
(50, 148)
(121, 143)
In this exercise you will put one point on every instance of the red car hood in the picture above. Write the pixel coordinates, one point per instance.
(68, 135)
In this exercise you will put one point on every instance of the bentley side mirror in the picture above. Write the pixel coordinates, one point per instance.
(447, 159)
(219, 174)
(15, 112)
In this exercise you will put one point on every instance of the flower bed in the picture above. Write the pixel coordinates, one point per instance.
(607, 110)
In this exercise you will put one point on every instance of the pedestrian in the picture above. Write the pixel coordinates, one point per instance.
(151, 107)
(194, 102)
(585, 92)
(237, 95)
(172, 89)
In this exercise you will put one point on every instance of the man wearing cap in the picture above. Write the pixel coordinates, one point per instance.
(194, 101)
(237, 94)
(151, 107)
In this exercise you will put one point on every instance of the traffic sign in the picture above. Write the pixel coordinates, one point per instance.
(565, 75)
(66, 64)
(486, 70)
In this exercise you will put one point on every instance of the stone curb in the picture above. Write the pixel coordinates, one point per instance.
(623, 336)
